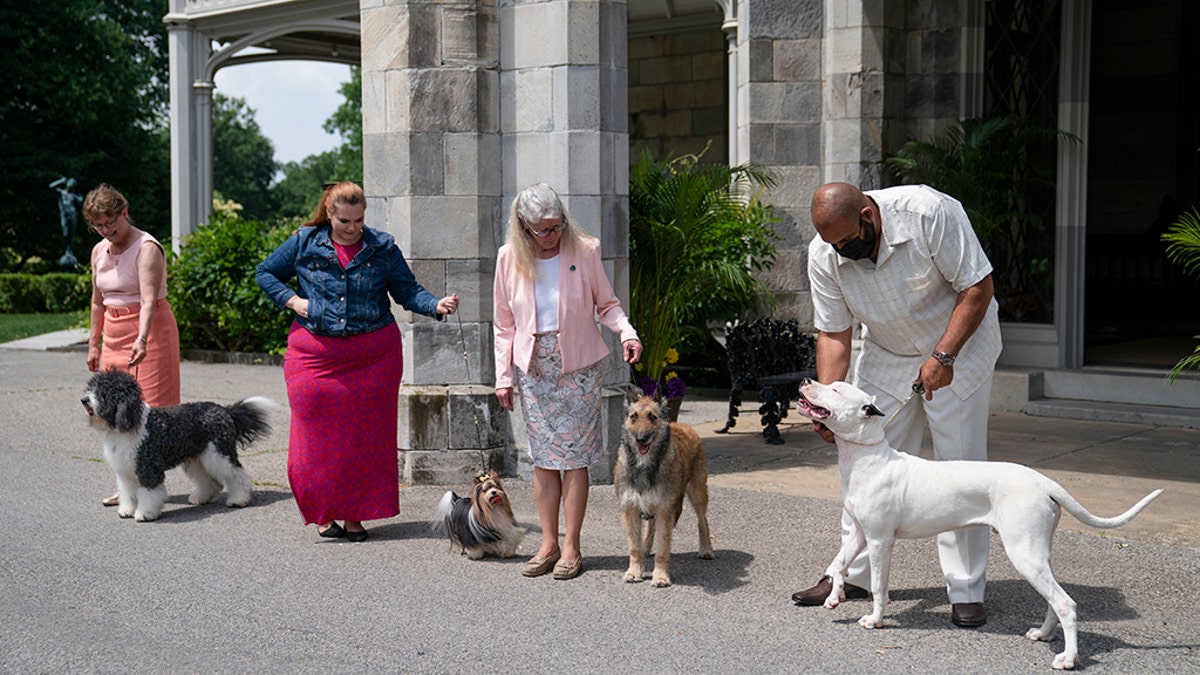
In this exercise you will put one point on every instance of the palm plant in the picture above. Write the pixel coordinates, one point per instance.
(1002, 170)
(1183, 247)
(697, 234)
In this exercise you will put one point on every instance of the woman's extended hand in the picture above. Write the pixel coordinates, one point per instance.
(633, 350)
(504, 394)
(448, 304)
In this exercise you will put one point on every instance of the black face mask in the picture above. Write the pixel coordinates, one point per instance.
(861, 246)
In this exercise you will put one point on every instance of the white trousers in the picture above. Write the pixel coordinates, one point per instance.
(959, 431)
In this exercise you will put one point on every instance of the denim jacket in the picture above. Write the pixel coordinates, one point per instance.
(344, 301)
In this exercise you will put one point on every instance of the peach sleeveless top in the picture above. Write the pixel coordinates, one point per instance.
(116, 275)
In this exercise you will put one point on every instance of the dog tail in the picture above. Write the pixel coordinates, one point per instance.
(441, 514)
(252, 418)
(1059, 494)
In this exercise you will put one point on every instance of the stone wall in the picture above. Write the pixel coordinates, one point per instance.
(677, 95)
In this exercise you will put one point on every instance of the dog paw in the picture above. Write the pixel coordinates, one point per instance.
(238, 503)
(871, 621)
(144, 517)
(633, 576)
(832, 603)
(1065, 661)
(125, 514)
(1036, 635)
(197, 498)
(705, 555)
(660, 581)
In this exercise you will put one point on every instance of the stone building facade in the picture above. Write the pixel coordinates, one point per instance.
(467, 101)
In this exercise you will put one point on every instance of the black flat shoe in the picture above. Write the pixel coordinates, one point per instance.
(356, 536)
(334, 531)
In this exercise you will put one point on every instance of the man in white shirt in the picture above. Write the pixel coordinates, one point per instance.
(906, 264)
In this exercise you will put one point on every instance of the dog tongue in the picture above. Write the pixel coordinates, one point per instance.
(643, 448)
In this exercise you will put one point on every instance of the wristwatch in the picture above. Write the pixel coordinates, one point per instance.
(944, 358)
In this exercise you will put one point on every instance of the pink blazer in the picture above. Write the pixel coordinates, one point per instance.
(584, 292)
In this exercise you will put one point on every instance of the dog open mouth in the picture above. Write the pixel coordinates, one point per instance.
(806, 408)
(643, 448)
(496, 499)
(88, 407)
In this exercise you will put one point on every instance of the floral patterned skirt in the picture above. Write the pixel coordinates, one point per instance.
(561, 410)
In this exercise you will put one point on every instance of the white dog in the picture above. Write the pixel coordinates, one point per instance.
(891, 494)
(142, 443)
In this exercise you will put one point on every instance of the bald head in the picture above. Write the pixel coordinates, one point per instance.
(835, 203)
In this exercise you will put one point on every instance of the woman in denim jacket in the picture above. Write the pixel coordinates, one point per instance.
(344, 361)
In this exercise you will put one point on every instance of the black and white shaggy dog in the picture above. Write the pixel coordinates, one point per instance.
(142, 443)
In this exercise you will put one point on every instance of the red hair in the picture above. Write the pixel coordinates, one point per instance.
(345, 193)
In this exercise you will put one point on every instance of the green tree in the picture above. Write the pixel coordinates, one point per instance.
(85, 97)
(243, 159)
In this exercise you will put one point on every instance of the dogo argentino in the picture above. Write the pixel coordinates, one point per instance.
(891, 494)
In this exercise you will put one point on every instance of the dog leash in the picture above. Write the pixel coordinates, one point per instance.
(475, 411)
(918, 390)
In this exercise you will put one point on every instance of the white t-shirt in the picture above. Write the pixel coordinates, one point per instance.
(929, 254)
(545, 294)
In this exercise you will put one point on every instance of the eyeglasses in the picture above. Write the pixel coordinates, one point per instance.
(541, 234)
(105, 226)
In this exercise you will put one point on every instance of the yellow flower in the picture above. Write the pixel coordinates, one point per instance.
(672, 356)
(670, 376)
(638, 367)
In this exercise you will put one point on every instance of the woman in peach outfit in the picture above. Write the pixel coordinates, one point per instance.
(132, 325)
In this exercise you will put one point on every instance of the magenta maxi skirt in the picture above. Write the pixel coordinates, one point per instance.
(343, 393)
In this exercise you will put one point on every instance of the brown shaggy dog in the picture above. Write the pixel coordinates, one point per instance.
(658, 463)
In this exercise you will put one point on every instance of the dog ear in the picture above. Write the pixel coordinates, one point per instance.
(632, 393)
(869, 410)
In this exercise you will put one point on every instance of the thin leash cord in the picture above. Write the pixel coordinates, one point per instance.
(918, 389)
(462, 336)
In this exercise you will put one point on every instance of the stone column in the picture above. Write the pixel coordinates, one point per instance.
(564, 121)
(431, 162)
(780, 108)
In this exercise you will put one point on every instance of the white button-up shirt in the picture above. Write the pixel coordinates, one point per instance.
(928, 255)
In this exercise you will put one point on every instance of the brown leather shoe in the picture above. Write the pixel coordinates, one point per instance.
(817, 594)
(968, 614)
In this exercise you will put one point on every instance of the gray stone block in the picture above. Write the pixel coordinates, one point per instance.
(784, 18)
(422, 417)
(470, 36)
(426, 165)
(796, 60)
(447, 467)
(471, 164)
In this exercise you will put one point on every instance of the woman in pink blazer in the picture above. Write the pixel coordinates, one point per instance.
(550, 286)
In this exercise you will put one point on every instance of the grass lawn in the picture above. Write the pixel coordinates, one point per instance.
(17, 326)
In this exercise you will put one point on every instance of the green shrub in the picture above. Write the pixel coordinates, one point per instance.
(213, 293)
(24, 293)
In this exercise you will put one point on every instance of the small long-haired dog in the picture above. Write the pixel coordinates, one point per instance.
(142, 443)
(657, 464)
(480, 524)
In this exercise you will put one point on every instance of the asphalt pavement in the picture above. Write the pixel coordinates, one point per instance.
(214, 589)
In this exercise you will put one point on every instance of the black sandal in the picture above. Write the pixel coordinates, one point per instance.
(334, 531)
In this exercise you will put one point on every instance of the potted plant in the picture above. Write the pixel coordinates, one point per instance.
(1183, 248)
(697, 234)
(1002, 170)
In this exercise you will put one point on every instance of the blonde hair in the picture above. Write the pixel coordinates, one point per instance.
(335, 195)
(534, 204)
(104, 201)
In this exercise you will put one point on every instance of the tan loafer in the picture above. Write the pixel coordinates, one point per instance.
(111, 501)
(537, 566)
(568, 569)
